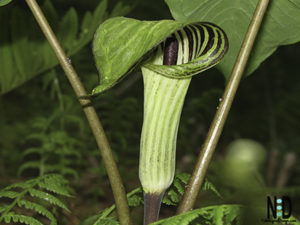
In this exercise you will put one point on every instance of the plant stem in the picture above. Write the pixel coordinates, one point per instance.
(94, 122)
(217, 125)
(152, 203)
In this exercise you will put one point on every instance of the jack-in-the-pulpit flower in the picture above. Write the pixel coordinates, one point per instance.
(169, 53)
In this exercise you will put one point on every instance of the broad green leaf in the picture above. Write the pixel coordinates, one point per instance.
(281, 25)
(24, 51)
(6, 55)
(20, 47)
(4, 2)
(120, 44)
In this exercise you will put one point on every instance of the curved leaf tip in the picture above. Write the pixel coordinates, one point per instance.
(120, 44)
(4, 2)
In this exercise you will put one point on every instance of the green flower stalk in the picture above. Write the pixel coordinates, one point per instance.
(179, 51)
(163, 101)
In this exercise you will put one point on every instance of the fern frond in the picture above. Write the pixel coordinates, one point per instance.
(9, 194)
(172, 196)
(40, 123)
(3, 208)
(297, 221)
(29, 165)
(217, 215)
(58, 145)
(77, 121)
(55, 183)
(62, 169)
(37, 208)
(231, 213)
(184, 178)
(36, 136)
(32, 150)
(69, 171)
(36, 188)
(47, 197)
(135, 198)
(209, 186)
(107, 221)
(211, 215)
(12, 217)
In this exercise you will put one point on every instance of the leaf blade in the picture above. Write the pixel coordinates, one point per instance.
(135, 39)
(280, 27)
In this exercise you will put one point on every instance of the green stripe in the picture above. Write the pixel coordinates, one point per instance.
(159, 133)
(163, 101)
(201, 62)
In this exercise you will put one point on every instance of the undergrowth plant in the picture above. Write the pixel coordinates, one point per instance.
(169, 53)
(51, 152)
(38, 196)
(171, 198)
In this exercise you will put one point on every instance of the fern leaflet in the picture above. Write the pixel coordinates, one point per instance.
(220, 214)
(26, 196)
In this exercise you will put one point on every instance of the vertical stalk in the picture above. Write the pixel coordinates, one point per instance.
(152, 203)
(217, 125)
(94, 122)
(163, 101)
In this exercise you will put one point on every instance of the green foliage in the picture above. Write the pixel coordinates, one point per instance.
(4, 2)
(174, 193)
(234, 17)
(56, 151)
(135, 39)
(30, 200)
(26, 52)
(217, 215)
(51, 150)
(55, 142)
(135, 199)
